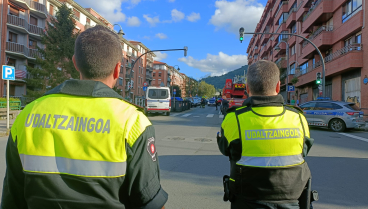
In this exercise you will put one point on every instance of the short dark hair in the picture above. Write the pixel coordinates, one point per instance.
(97, 51)
(262, 78)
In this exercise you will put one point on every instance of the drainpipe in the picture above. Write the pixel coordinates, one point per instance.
(364, 14)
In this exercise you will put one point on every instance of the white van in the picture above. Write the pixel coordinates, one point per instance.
(158, 100)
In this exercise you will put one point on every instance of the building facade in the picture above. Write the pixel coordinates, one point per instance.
(336, 27)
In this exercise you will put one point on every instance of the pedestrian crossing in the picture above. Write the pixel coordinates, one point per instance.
(191, 115)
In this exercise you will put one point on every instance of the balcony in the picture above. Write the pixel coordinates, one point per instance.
(282, 9)
(128, 65)
(281, 27)
(149, 69)
(75, 17)
(168, 79)
(21, 50)
(149, 76)
(38, 9)
(354, 24)
(320, 13)
(21, 25)
(345, 59)
(292, 40)
(281, 62)
(322, 38)
(127, 75)
(291, 18)
(300, 10)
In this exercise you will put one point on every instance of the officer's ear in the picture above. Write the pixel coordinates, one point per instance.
(117, 70)
(75, 65)
(278, 87)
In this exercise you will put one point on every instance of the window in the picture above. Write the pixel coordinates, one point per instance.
(51, 10)
(324, 106)
(158, 93)
(353, 107)
(33, 20)
(159, 74)
(88, 22)
(76, 14)
(314, 62)
(308, 106)
(292, 69)
(153, 74)
(11, 62)
(14, 11)
(350, 9)
(13, 37)
(293, 28)
(120, 81)
(303, 68)
(292, 50)
(282, 37)
(32, 44)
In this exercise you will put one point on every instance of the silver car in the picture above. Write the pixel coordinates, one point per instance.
(335, 115)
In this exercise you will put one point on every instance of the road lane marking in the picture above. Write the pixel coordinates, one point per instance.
(210, 115)
(354, 137)
(176, 114)
(186, 115)
(221, 116)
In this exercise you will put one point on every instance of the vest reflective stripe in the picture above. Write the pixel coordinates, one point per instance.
(278, 161)
(46, 164)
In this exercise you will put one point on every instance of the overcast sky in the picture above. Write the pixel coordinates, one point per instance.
(208, 27)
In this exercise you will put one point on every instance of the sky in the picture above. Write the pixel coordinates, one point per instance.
(210, 29)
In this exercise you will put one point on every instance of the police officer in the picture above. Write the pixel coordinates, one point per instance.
(266, 143)
(81, 145)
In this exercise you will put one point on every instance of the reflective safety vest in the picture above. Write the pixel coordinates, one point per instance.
(272, 140)
(78, 139)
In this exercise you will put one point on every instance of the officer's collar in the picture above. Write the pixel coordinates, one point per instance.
(85, 88)
(262, 101)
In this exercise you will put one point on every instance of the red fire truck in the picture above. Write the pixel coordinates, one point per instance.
(235, 91)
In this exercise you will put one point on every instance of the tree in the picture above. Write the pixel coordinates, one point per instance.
(178, 91)
(191, 86)
(205, 89)
(54, 62)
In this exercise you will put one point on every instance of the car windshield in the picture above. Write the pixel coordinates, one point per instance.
(158, 94)
(352, 107)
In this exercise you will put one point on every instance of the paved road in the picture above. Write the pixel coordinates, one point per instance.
(192, 167)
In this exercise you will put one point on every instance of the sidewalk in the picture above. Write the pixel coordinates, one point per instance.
(3, 126)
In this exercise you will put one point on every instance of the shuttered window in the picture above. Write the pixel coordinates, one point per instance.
(13, 11)
(33, 20)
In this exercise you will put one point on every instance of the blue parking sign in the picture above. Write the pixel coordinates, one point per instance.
(8, 72)
(291, 88)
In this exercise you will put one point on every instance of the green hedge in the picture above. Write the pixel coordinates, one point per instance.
(10, 99)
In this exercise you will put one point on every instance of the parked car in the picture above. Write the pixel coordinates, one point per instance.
(158, 100)
(211, 101)
(335, 115)
(197, 101)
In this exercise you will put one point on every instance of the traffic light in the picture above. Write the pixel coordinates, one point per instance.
(319, 78)
(241, 33)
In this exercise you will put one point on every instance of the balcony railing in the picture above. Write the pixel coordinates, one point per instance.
(21, 49)
(75, 17)
(280, 6)
(39, 7)
(128, 65)
(311, 9)
(148, 76)
(316, 33)
(331, 57)
(20, 22)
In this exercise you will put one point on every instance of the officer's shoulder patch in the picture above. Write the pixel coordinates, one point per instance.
(151, 148)
(294, 109)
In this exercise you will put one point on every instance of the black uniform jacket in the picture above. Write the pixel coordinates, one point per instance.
(139, 188)
(259, 183)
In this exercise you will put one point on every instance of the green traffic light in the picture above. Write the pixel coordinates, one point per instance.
(241, 38)
(318, 82)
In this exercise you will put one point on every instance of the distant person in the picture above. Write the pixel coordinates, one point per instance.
(216, 103)
(81, 145)
(292, 103)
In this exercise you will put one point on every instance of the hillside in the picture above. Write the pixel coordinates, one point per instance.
(219, 81)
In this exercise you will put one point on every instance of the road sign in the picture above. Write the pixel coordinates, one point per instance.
(144, 88)
(8, 72)
(291, 88)
(174, 91)
(145, 84)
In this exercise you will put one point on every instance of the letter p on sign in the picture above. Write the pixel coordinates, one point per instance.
(8, 72)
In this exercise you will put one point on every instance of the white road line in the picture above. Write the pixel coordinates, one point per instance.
(176, 114)
(355, 137)
(186, 115)
(221, 116)
(210, 115)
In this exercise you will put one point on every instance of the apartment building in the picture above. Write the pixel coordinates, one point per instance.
(336, 27)
(23, 23)
(161, 75)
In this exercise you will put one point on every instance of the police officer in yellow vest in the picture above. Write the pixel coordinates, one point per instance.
(266, 143)
(81, 145)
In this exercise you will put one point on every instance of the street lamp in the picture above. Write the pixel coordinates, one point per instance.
(185, 49)
(120, 31)
(241, 32)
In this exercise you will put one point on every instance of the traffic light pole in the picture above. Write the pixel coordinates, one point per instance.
(185, 49)
(241, 31)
